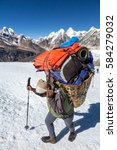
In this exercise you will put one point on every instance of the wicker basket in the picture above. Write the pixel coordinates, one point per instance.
(77, 93)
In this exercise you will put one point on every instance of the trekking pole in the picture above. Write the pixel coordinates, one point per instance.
(27, 126)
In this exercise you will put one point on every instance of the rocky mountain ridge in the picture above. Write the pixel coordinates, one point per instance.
(90, 38)
(14, 47)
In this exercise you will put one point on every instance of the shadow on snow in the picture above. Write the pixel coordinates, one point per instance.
(89, 120)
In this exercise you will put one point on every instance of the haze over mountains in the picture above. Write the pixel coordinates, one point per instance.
(14, 47)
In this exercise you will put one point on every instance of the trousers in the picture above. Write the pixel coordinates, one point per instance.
(49, 120)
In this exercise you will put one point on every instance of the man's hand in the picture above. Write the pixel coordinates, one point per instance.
(29, 88)
(50, 93)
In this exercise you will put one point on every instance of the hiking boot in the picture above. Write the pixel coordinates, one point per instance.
(72, 136)
(48, 139)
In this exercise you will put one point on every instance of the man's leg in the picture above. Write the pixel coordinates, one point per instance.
(49, 123)
(70, 125)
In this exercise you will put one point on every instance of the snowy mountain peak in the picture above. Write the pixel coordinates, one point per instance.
(51, 35)
(59, 35)
(89, 38)
(54, 34)
(11, 31)
(13, 43)
(61, 31)
(7, 31)
(70, 32)
(70, 29)
(5, 28)
(92, 28)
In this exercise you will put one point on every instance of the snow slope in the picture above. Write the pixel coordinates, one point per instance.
(13, 100)
(96, 54)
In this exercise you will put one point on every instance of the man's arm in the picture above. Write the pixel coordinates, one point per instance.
(30, 88)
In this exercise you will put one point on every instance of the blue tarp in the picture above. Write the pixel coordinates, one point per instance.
(70, 42)
(78, 79)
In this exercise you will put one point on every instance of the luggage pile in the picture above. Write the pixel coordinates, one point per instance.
(71, 65)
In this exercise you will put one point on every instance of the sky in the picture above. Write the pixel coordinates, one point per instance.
(35, 18)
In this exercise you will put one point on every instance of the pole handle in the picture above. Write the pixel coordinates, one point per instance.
(28, 84)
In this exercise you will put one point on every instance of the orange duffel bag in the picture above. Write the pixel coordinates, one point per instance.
(53, 59)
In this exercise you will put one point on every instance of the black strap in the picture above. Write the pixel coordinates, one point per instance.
(48, 78)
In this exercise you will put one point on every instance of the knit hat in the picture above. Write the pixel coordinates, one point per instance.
(41, 86)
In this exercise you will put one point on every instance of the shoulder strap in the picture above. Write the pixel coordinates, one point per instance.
(51, 83)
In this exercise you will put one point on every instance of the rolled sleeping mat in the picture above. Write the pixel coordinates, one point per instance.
(83, 54)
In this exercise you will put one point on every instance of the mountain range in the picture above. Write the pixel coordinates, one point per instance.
(90, 38)
(14, 47)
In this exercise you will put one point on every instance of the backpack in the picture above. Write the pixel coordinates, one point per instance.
(66, 68)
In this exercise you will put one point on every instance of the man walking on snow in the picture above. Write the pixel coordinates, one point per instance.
(59, 107)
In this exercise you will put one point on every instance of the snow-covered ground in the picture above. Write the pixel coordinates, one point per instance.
(96, 54)
(13, 104)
